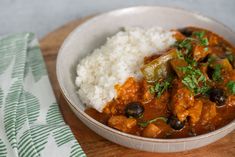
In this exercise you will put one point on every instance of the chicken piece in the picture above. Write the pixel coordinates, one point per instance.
(195, 112)
(128, 91)
(184, 105)
(182, 100)
(208, 112)
(111, 108)
(200, 52)
(151, 131)
(122, 123)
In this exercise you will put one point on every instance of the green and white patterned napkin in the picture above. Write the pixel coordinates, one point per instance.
(30, 121)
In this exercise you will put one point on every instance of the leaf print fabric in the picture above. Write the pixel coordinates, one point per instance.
(31, 124)
(3, 149)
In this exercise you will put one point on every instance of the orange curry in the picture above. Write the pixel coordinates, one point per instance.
(187, 91)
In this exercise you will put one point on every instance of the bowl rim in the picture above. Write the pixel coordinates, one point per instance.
(95, 122)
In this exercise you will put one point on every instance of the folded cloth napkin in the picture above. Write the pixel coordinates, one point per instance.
(30, 121)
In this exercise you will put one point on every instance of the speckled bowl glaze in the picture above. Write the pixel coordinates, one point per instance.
(93, 34)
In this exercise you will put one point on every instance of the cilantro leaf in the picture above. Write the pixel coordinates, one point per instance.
(159, 88)
(231, 86)
(193, 78)
(216, 76)
(146, 123)
(179, 54)
(162, 86)
(230, 57)
(191, 61)
(186, 44)
(204, 42)
(199, 35)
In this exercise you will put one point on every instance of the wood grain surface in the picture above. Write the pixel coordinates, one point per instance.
(95, 145)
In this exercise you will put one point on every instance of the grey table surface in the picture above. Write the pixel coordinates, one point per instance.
(42, 16)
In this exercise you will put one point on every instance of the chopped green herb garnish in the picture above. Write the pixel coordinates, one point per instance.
(192, 79)
(206, 49)
(152, 89)
(186, 44)
(216, 76)
(179, 54)
(191, 61)
(199, 35)
(203, 90)
(231, 86)
(230, 57)
(144, 124)
(159, 88)
(204, 42)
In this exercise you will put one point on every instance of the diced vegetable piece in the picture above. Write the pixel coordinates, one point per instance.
(175, 63)
(159, 68)
(151, 131)
(122, 123)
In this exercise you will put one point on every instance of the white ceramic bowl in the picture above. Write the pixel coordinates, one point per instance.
(93, 34)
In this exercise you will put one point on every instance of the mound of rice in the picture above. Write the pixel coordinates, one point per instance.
(119, 58)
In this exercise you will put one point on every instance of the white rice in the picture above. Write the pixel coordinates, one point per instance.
(119, 58)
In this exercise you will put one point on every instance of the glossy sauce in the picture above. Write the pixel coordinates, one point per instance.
(211, 117)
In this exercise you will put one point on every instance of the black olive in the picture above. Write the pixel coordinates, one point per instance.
(134, 109)
(210, 72)
(175, 123)
(218, 96)
(186, 32)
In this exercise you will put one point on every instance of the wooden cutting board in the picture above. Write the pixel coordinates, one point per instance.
(95, 145)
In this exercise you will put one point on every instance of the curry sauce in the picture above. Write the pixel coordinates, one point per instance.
(187, 91)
